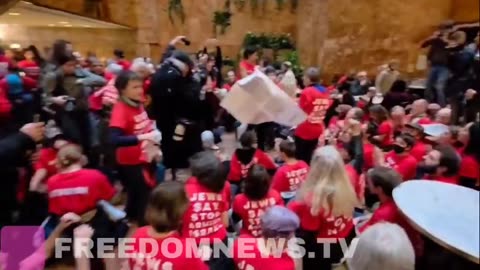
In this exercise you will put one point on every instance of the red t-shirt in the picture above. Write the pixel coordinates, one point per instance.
(250, 68)
(203, 218)
(444, 179)
(470, 168)
(386, 128)
(326, 225)
(315, 104)
(46, 160)
(238, 171)
(124, 63)
(77, 192)
(251, 211)
(132, 121)
(425, 121)
(30, 68)
(247, 256)
(144, 260)
(405, 165)
(388, 212)
(368, 156)
(289, 177)
(419, 150)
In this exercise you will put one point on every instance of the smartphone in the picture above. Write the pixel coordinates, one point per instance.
(36, 118)
(186, 41)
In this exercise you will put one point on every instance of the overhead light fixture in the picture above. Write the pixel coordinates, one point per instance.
(15, 46)
(51, 25)
(68, 25)
(85, 25)
(63, 22)
(14, 13)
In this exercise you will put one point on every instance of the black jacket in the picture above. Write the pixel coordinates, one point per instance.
(176, 98)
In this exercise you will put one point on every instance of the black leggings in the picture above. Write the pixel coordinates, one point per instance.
(137, 192)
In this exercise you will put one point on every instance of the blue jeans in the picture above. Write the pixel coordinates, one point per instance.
(437, 81)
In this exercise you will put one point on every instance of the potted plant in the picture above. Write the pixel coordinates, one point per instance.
(222, 20)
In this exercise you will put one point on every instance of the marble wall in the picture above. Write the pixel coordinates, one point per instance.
(338, 35)
(100, 41)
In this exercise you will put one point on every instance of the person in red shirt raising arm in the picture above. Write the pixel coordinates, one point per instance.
(165, 210)
(135, 137)
(314, 101)
(325, 206)
(257, 197)
(383, 135)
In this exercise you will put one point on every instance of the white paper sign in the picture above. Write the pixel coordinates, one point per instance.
(256, 99)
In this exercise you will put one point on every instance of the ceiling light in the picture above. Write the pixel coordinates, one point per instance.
(63, 22)
(51, 25)
(85, 25)
(15, 46)
(68, 25)
(14, 13)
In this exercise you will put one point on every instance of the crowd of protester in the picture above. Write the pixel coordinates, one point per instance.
(77, 133)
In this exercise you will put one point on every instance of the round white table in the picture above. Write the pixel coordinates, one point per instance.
(447, 214)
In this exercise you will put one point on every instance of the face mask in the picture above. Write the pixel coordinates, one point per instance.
(398, 149)
(428, 169)
(458, 144)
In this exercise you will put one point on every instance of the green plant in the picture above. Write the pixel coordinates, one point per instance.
(239, 4)
(254, 4)
(280, 4)
(176, 6)
(222, 19)
(268, 41)
(293, 5)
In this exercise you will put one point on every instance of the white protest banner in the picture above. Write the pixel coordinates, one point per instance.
(257, 99)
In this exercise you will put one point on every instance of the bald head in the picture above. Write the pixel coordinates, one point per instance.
(444, 116)
(419, 107)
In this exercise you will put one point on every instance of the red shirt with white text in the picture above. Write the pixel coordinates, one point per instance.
(132, 121)
(251, 211)
(289, 177)
(203, 218)
(77, 192)
(167, 257)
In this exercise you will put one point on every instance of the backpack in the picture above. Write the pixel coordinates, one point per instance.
(16, 92)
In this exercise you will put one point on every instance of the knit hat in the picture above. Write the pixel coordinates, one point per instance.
(279, 220)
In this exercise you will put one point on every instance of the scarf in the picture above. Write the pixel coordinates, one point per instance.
(130, 102)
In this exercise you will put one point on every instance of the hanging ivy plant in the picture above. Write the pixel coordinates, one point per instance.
(280, 4)
(268, 41)
(222, 19)
(293, 5)
(239, 4)
(176, 7)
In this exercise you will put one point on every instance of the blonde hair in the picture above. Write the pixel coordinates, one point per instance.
(383, 246)
(328, 187)
(69, 155)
